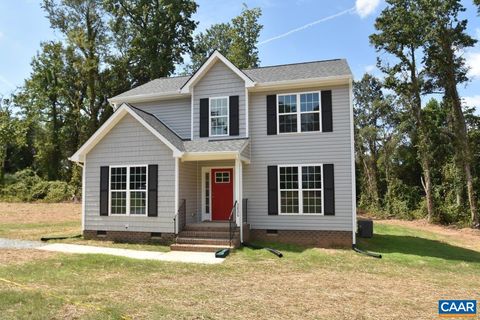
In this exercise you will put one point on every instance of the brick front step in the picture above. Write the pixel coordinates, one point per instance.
(208, 227)
(206, 234)
(197, 247)
(208, 241)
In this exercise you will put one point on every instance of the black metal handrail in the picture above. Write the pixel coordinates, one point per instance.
(231, 220)
(181, 216)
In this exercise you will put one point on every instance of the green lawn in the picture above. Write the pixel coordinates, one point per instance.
(417, 269)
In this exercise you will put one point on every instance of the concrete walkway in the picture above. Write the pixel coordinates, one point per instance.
(172, 256)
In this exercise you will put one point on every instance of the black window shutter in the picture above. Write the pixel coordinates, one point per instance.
(234, 118)
(104, 181)
(204, 117)
(327, 123)
(329, 192)
(152, 190)
(271, 114)
(272, 191)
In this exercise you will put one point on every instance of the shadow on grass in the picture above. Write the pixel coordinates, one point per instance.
(384, 243)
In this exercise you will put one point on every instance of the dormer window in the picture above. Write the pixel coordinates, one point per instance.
(219, 117)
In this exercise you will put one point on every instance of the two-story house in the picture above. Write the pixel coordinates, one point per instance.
(257, 154)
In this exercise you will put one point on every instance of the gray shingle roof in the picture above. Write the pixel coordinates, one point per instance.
(160, 127)
(213, 146)
(186, 145)
(168, 84)
(295, 71)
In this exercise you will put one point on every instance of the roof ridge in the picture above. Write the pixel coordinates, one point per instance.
(294, 63)
(151, 114)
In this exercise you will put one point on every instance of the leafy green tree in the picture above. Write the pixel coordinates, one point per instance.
(237, 40)
(370, 108)
(400, 33)
(83, 24)
(445, 66)
(154, 35)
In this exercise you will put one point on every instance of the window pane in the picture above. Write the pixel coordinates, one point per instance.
(138, 178)
(310, 121)
(289, 201)
(218, 107)
(312, 202)
(288, 177)
(118, 179)
(219, 126)
(312, 177)
(138, 202)
(287, 123)
(119, 202)
(309, 102)
(287, 104)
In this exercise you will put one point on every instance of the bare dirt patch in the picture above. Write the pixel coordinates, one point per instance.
(21, 256)
(39, 212)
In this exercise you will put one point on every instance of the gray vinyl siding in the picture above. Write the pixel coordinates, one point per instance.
(130, 143)
(219, 81)
(175, 113)
(246, 152)
(188, 188)
(299, 148)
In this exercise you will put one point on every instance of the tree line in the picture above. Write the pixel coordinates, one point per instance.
(416, 144)
(106, 47)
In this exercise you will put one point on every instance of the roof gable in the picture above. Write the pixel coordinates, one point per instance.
(214, 57)
(155, 126)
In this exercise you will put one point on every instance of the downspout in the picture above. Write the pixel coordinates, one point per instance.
(352, 160)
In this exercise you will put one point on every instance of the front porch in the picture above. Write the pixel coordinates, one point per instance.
(211, 209)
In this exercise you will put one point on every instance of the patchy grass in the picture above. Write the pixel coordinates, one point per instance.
(32, 221)
(420, 266)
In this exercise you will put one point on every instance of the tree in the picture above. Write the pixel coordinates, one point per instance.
(154, 35)
(236, 40)
(400, 33)
(83, 24)
(446, 69)
(369, 109)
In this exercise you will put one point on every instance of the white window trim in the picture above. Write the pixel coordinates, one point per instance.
(128, 190)
(210, 117)
(299, 112)
(300, 190)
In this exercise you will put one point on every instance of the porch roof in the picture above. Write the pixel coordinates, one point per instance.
(230, 145)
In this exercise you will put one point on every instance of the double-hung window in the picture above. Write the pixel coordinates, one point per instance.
(301, 189)
(299, 112)
(219, 117)
(128, 190)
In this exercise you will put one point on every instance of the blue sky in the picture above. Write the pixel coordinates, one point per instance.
(294, 31)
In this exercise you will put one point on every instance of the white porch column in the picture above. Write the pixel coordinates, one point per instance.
(239, 194)
(177, 177)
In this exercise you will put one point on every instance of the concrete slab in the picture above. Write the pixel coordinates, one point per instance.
(172, 256)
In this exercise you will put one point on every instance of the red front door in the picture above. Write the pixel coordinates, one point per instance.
(222, 193)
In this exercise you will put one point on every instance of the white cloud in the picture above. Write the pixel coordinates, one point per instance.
(472, 101)
(477, 33)
(6, 82)
(473, 62)
(366, 7)
(369, 68)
